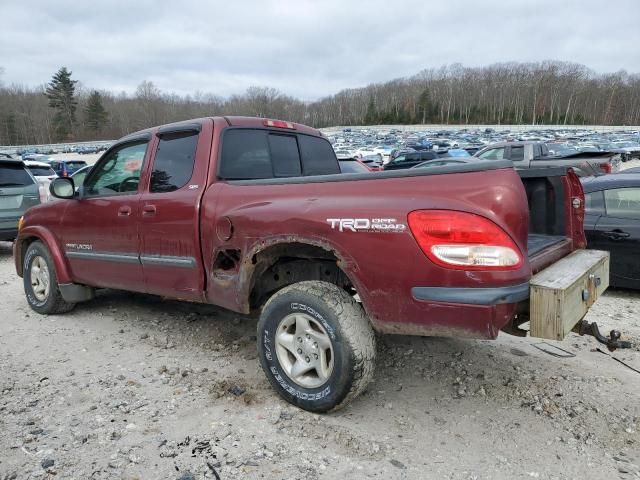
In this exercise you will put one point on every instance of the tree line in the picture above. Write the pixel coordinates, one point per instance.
(541, 93)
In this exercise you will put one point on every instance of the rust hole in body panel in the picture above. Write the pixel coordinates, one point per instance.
(226, 260)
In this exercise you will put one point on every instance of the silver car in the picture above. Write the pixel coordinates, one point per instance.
(18, 191)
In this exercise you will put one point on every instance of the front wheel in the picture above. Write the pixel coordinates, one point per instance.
(316, 345)
(41, 283)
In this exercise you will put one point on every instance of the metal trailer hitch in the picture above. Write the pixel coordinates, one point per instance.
(612, 342)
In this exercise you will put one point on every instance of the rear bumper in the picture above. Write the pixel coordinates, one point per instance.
(472, 296)
(454, 312)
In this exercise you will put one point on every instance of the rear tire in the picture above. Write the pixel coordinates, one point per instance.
(41, 282)
(316, 346)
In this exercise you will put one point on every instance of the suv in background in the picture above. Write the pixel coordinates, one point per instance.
(18, 192)
(65, 168)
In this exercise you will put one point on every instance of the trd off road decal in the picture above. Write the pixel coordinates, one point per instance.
(378, 225)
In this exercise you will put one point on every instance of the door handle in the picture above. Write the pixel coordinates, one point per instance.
(124, 211)
(616, 234)
(149, 210)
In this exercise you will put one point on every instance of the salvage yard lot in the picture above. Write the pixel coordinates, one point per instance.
(134, 386)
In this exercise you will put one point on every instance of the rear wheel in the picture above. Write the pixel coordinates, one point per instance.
(41, 283)
(316, 345)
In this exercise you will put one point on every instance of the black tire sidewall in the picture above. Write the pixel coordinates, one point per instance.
(337, 387)
(36, 249)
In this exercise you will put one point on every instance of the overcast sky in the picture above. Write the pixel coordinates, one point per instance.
(304, 48)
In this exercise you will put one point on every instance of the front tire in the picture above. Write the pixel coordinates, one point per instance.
(316, 346)
(41, 282)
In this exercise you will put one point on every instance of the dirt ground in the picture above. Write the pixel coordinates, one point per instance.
(136, 387)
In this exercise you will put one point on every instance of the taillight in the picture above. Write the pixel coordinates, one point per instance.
(464, 241)
(279, 124)
(605, 167)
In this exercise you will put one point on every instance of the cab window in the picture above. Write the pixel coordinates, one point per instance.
(174, 161)
(493, 154)
(118, 173)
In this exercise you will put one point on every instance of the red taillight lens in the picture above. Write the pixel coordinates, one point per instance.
(279, 124)
(605, 167)
(464, 240)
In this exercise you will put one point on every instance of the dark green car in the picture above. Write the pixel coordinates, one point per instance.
(18, 191)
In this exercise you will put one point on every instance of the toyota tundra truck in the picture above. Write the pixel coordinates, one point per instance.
(253, 215)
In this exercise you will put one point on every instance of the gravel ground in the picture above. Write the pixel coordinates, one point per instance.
(137, 387)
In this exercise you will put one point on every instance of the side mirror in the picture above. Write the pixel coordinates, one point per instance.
(62, 187)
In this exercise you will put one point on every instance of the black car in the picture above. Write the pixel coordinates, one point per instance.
(410, 160)
(612, 222)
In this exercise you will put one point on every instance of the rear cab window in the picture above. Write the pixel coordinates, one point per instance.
(250, 154)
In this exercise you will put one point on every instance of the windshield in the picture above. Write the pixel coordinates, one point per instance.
(14, 176)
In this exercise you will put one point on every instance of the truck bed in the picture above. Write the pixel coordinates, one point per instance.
(538, 242)
(551, 226)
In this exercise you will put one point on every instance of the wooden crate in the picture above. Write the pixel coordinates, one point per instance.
(561, 294)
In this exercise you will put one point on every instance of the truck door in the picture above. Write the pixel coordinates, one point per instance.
(170, 218)
(100, 230)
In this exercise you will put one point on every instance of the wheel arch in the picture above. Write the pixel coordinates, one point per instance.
(277, 263)
(31, 234)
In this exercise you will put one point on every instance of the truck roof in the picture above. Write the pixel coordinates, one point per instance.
(235, 121)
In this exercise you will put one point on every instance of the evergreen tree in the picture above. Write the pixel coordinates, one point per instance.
(95, 113)
(371, 117)
(60, 92)
(424, 107)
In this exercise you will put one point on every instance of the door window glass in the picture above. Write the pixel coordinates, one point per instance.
(493, 154)
(623, 202)
(517, 154)
(118, 173)
(173, 164)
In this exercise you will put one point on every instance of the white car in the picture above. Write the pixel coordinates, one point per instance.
(44, 174)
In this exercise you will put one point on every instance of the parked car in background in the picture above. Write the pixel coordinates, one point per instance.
(373, 162)
(455, 152)
(65, 168)
(409, 160)
(353, 165)
(532, 154)
(44, 174)
(632, 148)
(612, 222)
(441, 162)
(19, 191)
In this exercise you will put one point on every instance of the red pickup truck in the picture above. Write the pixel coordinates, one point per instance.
(253, 214)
